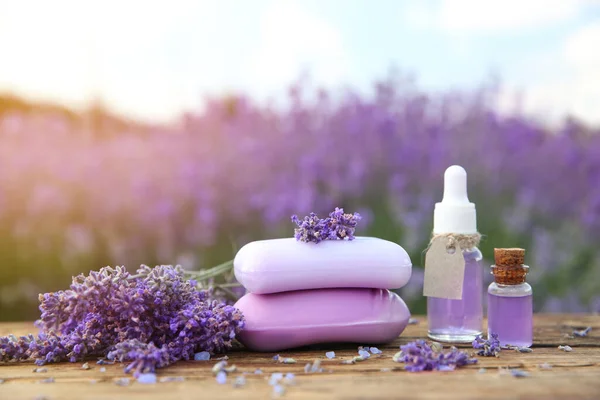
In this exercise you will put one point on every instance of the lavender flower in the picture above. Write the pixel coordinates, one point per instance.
(487, 348)
(418, 356)
(517, 373)
(149, 320)
(583, 332)
(144, 357)
(147, 378)
(202, 356)
(338, 226)
(171, 379)
(221, 377)
(287, 360)
(342, 225)
(239, 381)
(364, 354)
(122, 381)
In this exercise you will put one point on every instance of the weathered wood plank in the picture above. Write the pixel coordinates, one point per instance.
(573, 375)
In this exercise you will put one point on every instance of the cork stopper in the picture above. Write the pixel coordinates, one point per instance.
(509, 268)
(509, 257)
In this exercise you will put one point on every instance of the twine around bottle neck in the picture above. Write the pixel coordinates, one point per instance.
(464, 241)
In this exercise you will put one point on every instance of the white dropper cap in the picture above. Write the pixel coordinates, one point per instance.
(455, 214)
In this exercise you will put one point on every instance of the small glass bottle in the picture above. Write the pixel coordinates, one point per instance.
(449, 320)
(510, 299)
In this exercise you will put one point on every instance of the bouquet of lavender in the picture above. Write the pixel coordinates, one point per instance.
(149, 320)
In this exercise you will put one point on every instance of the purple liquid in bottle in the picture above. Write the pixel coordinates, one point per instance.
(459, 321)
(510, 314)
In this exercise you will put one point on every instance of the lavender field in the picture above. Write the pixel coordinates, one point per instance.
(72, 201)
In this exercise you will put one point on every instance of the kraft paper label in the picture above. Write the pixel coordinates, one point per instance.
(444, 270)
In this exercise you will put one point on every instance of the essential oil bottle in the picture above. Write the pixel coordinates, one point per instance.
(510, 300)
(458, 320)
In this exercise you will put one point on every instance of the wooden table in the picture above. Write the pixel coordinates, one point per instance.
(573, 375)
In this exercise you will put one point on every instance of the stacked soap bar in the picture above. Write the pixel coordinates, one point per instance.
(332, 291)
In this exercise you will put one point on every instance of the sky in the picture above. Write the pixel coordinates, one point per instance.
(152, 59)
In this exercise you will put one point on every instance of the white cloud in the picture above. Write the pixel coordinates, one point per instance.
(573, 84)
(292, 40)
(491, 16)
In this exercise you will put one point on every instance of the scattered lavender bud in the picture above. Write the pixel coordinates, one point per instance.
(481, 370)
(224, 358)
(104, 362)
(148, 378)
(86, 366)
(316, 366)
(523, 349)
(122, 381)
(565, 348)
(275, 378)
(330, 354)
(102, 369)
(276, 357)
(418, 356)
(1, 381)
(364, 354)
(307, 368)
(583, 332)
(278, 390)
(287, 360)
(172, 379)
(437, 347)
(221, 377)
(202, 356)
(218, 367)
(239, 381)
(413, 321)
(258, 371)
(545, 366)
(375, 350)
(47, 380)
(290, 378)
(450, 367)
(38, 370)
(517, 373)
(231, 368)
(487, 348)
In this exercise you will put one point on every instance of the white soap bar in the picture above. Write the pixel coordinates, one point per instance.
(280, 265)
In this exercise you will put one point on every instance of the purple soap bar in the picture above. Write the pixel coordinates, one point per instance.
(281, 265)
(286, 320)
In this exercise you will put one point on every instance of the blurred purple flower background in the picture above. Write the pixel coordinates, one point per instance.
(73, 200)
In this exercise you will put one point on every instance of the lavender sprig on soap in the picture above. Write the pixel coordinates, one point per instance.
(338, 226)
